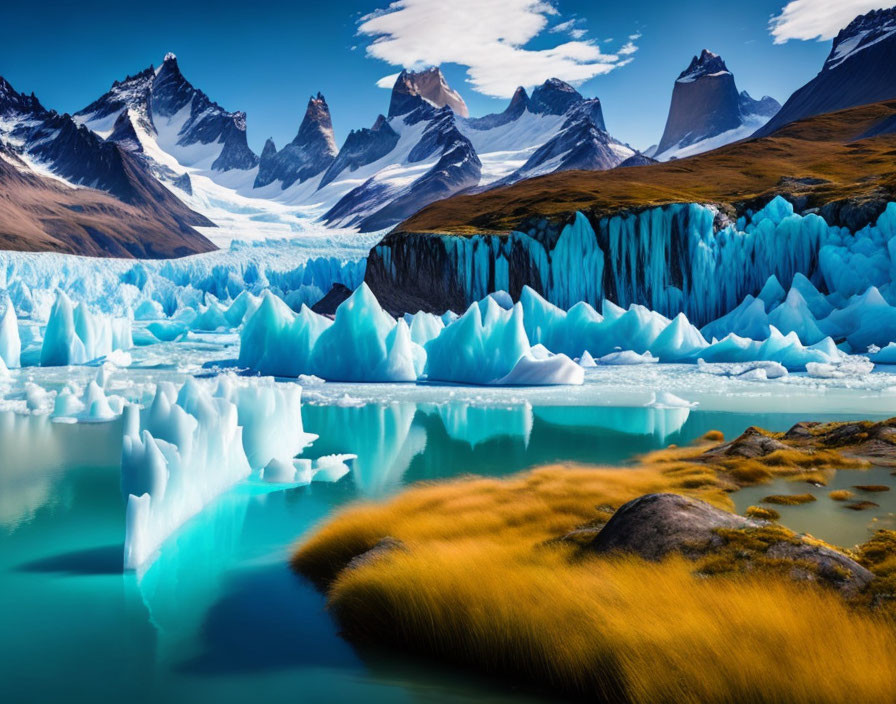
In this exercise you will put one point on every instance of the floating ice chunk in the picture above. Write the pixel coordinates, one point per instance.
(331, 468)
(544, 371)
(664, 399)
(96, 404)
(242, 308)
(886, 355)
(62, 345)
(757, 374)
(747, 320)
(67, 405)
(166, 330)
(424, 327)
(120, 358)
(586, 361)
(37, 398)
(75, 336)
(279, 472)
(851, 366)
(149, 309)
(628, 357)
(10, 342)
(277, 341)
(211, 318)
(746, 370)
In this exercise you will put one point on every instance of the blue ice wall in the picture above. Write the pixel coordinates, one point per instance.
(672, 259)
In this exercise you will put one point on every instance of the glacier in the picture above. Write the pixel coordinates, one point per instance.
(680, 258)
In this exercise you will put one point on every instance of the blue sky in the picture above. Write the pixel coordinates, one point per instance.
(266, 58)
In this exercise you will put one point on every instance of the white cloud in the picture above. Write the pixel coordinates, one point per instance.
(488, 37)
(563, 27)
(627, 49)
(817, 19)
(577, 33)
(387, 81)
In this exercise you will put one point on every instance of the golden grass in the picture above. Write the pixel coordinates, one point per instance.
(841, 495)
(482, 584)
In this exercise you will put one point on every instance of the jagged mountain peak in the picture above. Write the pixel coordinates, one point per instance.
(11, 101)
(269, 148)
(707, 110)
(864, 31)
(553, 97)
(316, 130)
(413, 88)
(707, 64)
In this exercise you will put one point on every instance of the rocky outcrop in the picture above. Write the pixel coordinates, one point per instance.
(415, 88)
(858, 71)
(655, 526)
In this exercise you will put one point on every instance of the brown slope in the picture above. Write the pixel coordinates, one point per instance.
(38, 213)
(815, 161)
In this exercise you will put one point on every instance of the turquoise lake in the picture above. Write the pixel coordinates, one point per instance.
(218, 615)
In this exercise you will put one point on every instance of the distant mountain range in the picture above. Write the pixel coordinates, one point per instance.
(165, 158)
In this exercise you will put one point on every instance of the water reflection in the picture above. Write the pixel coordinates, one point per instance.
(34, 452)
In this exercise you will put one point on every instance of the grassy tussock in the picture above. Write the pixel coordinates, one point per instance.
(789, 499)
(762, 512)
(478, 585)
(841, 495)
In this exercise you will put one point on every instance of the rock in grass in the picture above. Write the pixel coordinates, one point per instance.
(656, 525)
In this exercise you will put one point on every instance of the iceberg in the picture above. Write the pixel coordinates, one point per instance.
(10, 342)
(75, 336)
(192, 444)
(365, 343)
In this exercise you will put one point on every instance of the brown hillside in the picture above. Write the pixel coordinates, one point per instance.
(818, 160)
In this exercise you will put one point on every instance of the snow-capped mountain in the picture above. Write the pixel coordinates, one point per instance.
(707, 111)
(859, 70)
(556, 129)
(66, 188)
(311, 152)
(182, 120)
